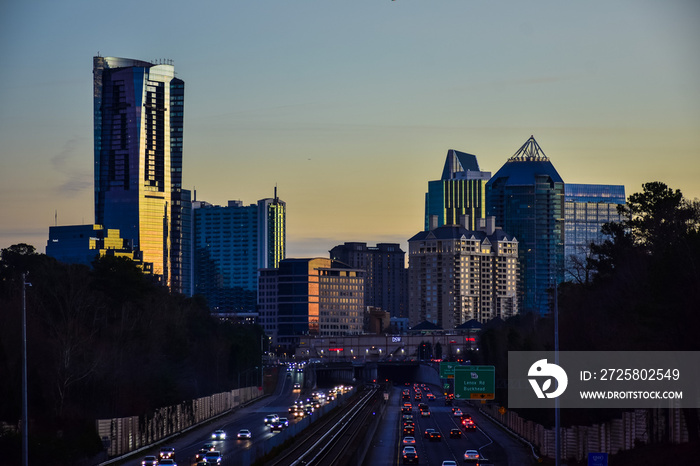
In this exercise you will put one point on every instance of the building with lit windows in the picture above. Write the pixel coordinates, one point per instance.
(458, 274)
(231, 243)
(527, 198)
(82, 244)
(386, 276)
(310, 297)
(460, 191)
(587, 208)
(138, 132)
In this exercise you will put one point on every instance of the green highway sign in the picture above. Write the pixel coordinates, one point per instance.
(447, 369)
(475, 382)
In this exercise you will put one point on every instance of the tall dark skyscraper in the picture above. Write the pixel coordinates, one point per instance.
(527, 198)
(461, 190)
(138, 131)
(386, 276)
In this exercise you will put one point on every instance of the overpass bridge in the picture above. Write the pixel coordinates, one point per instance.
(328, 374)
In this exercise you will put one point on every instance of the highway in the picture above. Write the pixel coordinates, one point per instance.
(234, 451)
(494, 445)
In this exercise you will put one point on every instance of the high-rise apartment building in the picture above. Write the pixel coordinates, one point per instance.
(310, 297)
(457, 274)
(386, 276)
(527, 198)
(233, 242)
(460, 191)
(138, 132)
(587, 208)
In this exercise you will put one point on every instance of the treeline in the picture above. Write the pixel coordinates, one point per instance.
(638, 291)
(105, 342)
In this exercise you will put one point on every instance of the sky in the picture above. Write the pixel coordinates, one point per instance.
(350, 107)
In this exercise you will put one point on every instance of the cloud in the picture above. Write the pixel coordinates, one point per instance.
(70, 163)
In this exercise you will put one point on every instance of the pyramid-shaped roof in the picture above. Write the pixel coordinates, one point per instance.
(525, 165)
(457, 162)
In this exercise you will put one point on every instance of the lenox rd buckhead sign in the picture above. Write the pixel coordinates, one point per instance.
(475, 382)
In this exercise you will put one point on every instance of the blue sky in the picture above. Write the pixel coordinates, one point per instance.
(350, 107)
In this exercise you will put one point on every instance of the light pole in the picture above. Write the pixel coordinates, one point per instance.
(557, 426)
(25, 416)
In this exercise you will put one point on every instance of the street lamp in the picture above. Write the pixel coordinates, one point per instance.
(25, 416)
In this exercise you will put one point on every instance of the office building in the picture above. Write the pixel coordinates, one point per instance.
(527, 198)
(587, 208)
(231, 243)
(460, 191)
(138, 134)
(82, 244)
(310, 297)
(457, 274)
(386, 276)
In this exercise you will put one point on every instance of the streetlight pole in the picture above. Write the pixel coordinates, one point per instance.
(557, 426)
(25, 416)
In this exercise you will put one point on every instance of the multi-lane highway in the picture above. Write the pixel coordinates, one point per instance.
(494, 446)
(233, 451)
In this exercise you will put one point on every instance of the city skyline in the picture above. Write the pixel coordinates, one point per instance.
(350, 109)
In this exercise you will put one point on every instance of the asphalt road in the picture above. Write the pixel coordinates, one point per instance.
(494, 444)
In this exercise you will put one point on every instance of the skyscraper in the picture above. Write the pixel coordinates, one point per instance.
(460, 191)
(527, 198)
(386, 277)
(231, 244)
(138, 131)
(587, 208)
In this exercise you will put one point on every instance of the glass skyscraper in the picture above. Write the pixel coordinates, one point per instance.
(138, 131)
(588, 207)
(527, 198)
(459, 191)
(232, 243)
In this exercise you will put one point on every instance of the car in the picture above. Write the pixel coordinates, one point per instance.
(425, 413)
(169, 461)
(149, 461)
(244, 434)
(471, 456)
(297, 386)
(449, 463)
(276, 426)
(218, 434)
(435, 436)
(270, 418)
(430, 396)
(166, 453)
(457, 412)
(209, 447)
(212, 457)
(409, 440)
(468, 424)
(409, 455)
(428, 433)
(409, 430)
(285, 421)
(200, 455)
(455, 433)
